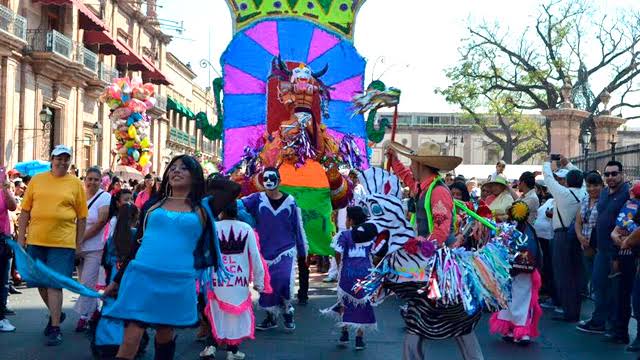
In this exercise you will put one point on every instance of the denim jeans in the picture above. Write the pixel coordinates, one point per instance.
(602, 287)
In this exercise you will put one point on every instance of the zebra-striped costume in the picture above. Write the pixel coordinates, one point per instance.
(424, 317)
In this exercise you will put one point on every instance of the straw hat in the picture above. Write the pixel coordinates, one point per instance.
(429, 154)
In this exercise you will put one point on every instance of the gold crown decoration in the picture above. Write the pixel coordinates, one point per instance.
(336, 15)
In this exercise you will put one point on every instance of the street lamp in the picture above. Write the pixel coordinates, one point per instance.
(97, 131)
(586, 145)
(613, 143)
(45, 116)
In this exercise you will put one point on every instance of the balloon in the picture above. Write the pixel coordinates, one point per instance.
(136, 155)
(145, 143)
(136, 105)
(120, 113)
(144, 159)
(132, 131)
(149, 103)
(122, 150)
(129, 144)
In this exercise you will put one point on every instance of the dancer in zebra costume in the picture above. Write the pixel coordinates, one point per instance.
(424, 318)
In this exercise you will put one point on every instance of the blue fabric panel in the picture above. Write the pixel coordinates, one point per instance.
(244, 110)
(344, 63)
(341, 119)
(295, 39)
(248, 56)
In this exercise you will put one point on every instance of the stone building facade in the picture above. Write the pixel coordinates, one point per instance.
(56, 58)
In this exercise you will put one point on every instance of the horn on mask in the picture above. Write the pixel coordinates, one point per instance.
(320, 73)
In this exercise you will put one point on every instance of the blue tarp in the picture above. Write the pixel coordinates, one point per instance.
(35, 271)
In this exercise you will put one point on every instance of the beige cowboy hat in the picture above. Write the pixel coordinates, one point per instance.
(429, 154)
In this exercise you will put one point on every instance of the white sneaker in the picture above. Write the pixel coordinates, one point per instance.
(209, 352)
(5, 326)
(237, 356)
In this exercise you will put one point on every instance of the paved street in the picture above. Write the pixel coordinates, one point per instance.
(314, 338)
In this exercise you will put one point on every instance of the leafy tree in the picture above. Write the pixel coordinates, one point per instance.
(502, 76)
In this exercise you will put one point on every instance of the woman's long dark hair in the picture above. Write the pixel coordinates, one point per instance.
(123, 236)
(113, 206)
(154, 187)
(114, 180)
(196, 193)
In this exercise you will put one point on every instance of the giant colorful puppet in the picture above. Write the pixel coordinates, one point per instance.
(289, 74)
(129, 99)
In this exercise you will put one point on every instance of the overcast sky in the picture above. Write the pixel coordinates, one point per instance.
(417, 39)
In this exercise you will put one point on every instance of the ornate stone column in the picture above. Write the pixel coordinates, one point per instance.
(565, 125)
(606, 125)
(606, 130)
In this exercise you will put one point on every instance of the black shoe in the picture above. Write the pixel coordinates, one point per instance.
(289, 324)
(360, 345)
(165, 351)
(634, 346)
(267, 324)
(303, 301)
(54, 338)
(47, 329)
(508, 339)
(344, 338)
(590, 327)
(14, 291)
(8, 311)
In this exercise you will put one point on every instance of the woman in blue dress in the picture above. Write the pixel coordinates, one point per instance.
(157, 286)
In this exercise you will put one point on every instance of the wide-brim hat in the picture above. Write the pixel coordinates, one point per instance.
(429, 154)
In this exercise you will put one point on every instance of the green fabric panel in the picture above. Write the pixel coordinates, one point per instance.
(315, 205)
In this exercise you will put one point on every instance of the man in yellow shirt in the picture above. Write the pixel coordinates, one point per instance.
(52, 223)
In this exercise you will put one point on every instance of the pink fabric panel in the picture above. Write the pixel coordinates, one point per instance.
(235, 140)
(214, 330)
(239, 82)
(362, 145)
(266, 35)
(345, 90)
(321, 42)
(230, 308)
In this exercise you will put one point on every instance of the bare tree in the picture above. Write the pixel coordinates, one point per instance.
(569, 40)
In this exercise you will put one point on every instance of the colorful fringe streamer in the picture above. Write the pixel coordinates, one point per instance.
(473, 278)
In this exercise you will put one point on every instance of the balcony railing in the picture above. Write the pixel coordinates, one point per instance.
(86, 57)
(49, 41)
(13, 23)
(106, 73)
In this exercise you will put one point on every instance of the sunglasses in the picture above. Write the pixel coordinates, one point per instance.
(611, 174)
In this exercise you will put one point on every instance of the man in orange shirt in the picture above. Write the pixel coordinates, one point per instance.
(52, 223)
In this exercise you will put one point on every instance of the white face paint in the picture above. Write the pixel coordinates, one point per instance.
(270, 180)
(301, 73)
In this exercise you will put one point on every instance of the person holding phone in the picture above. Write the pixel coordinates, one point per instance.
(567, 253)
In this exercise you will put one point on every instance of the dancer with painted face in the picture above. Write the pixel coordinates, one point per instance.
(282, 241)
